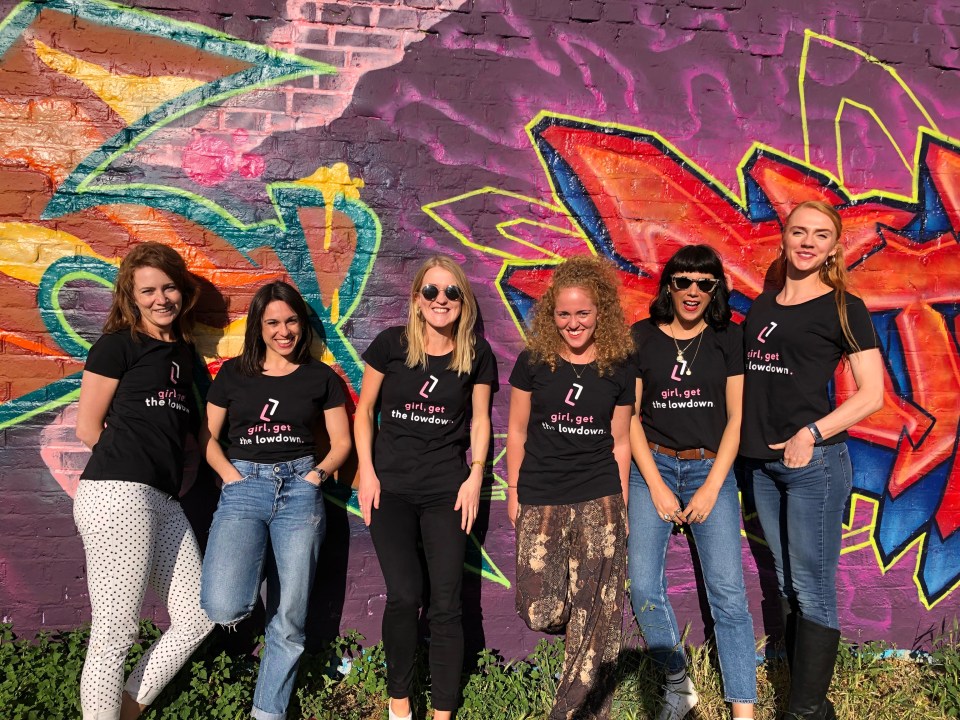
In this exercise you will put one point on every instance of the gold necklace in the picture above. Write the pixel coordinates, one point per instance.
(680, 358)
(582, 371)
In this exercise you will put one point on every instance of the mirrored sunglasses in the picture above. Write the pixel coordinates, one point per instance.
(431, 292)
(706, 285)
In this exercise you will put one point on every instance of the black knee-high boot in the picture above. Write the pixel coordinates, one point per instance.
(814, 655)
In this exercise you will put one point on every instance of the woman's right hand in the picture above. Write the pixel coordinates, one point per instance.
(232, 478)
(368, 493)
(665, 502)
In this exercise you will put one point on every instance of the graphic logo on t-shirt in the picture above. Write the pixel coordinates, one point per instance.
(765, 333)
(432, 382)
(679, 370)
(264, 415)
(576, 395)
(174, 372)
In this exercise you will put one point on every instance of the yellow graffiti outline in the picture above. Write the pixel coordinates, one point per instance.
(876, 118)
(430, 210)
(809, 35)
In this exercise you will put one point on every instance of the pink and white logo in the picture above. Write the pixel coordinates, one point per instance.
(264, 415)
(174, 373)
(432, 382)
(576, 396)
(679, 370)
(765, 333)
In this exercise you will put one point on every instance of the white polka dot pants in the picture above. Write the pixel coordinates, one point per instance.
(134, 536)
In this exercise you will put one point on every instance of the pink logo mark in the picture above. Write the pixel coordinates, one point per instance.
(264, 414)
(174, 372)
(765, 333)
(426, 393)
(575, 397)
(682, 367)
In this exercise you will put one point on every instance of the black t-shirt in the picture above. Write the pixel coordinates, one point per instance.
(272, 418)
(792, 352)
(150, 413)
(424, 424)
(681, 410)
(568, 456)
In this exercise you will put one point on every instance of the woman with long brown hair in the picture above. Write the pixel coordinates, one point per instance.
(793, 439)
(568, 458)
(136, 409)
(274, 400)
(433, 379)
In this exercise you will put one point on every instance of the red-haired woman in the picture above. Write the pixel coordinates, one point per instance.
(135, 412)
(793, 438)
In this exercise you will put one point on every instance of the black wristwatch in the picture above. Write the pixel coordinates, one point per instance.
(323, 474)
(815, 431)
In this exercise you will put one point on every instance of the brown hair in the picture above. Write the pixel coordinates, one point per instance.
(124, 314)
(611, 337)
(833, 272)
(463, 338)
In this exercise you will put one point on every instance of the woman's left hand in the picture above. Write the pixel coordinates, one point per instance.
(798, 450)
(468, 499)
(700, 505)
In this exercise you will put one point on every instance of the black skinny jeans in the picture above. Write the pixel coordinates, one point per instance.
(395, 528)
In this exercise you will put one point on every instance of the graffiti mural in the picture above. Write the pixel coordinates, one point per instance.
(336, 146)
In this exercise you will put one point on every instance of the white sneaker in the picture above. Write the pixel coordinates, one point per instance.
(394, 716)
(678, 700)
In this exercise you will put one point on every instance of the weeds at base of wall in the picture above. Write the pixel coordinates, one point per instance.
(41, 679)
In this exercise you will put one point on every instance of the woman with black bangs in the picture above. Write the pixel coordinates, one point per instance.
(684, 440)
(270, 521)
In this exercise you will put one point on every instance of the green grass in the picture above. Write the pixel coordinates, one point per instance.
(40, 679)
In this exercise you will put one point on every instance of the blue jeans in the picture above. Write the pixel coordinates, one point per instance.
(719, 549)
(801, 510)
(272, 504)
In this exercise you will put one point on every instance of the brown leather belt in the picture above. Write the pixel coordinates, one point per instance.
(691, 454)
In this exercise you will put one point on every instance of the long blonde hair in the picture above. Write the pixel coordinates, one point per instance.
(611, 335)
(464, 339)
(833, 272)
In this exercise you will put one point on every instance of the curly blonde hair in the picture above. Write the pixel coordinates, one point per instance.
(611, 335)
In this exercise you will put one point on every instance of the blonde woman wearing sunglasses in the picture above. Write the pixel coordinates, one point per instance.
(433, 379)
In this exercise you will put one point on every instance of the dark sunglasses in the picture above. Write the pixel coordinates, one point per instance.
(432, 292)
(706, 285)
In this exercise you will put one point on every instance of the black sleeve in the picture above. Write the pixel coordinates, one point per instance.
(861, 326)
(110, 355)
(334, 390)
(521, 378)
(628, 391)
(486, 373)
(378, 354)
(733, 350)
(219, 392)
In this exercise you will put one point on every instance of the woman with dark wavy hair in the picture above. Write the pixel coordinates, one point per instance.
(793, 438)
(135, 413)
(568, 453)
(283, 410)
(684, 439)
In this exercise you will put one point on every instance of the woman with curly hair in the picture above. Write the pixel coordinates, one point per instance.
(793, 435)
(568, 459)
(136, 411)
